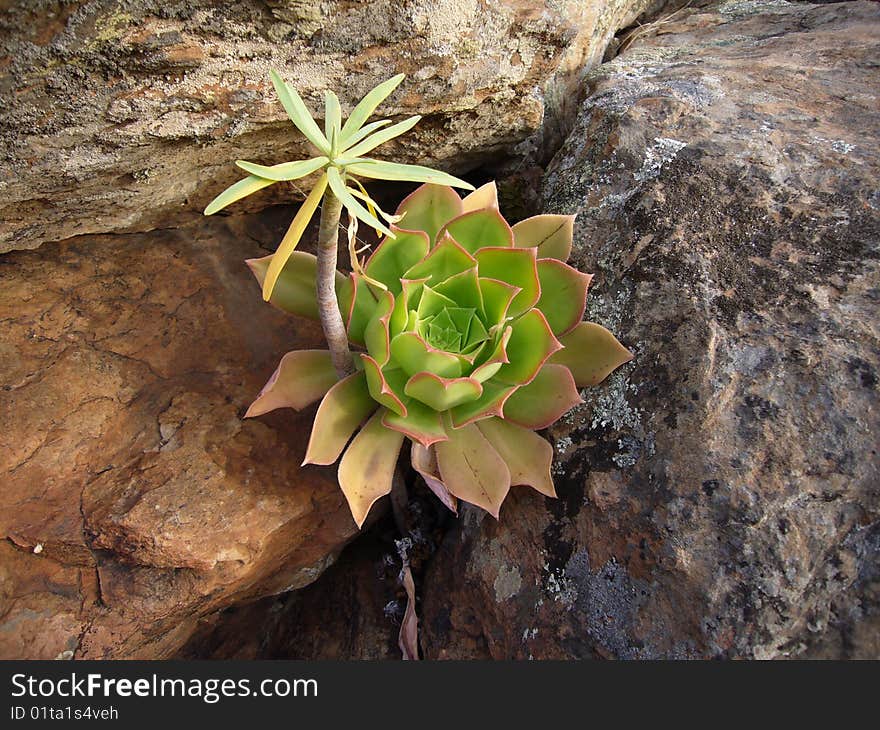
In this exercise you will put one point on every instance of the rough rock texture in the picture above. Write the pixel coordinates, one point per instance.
(353, 611)
(125, 115)
(134, 497)
(720, 495)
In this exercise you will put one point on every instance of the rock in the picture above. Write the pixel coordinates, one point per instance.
(718, 495)
(135, 498)
(353, 611)
(129, 117)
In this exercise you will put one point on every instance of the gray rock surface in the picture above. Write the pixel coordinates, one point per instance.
(720, 495)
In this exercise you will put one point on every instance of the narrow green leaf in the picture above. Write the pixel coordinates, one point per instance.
(378, 138)
(364, 132)
(298, 113)
(286, 170)
(291, 238)
(368, 105)
(379, 170)
(237, 191)
(332, 119)
(354, 207)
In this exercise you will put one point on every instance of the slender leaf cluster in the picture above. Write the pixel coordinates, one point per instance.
(340, 161)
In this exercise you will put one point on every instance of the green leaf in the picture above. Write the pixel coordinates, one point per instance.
(543, 401)
(367, 467)
(353, 206)
(365, 132)
(292, 237)
(428, 208)
(563, 294)
(286, 170)
(237, 191)
(332, 120)
(407, 300)
(374, 140)
(301, 378)
(550, 234)
(479, 229)
(394, 256)
(531, 343)
(357, 303)
(463, 288)
(379, 170)
(367, 106)
(472, 470)
(414, 355)
(497, 297)
(527, 455)
(490, 403)
(380, 388)
(446, 259)
(517, 266)
(441, 394)
(497, 357)
(421, 423)
(432, 303)
(591, 352)
(376, 335)
(298, 113)
(344, 408)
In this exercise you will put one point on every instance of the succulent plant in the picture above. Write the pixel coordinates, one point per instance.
(472, 340)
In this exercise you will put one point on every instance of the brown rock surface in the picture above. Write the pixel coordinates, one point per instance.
(720, 495)
(134, 497)
(120, 116)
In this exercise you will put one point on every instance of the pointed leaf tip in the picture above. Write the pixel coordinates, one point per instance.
(300, 379)
(298, 113)
(367, 467)
(235, 192)
(591, 353)
(472, 470)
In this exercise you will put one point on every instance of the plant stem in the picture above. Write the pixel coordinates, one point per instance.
(328, 305)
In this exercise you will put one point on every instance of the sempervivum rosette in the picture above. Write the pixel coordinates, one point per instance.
(475, 341)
